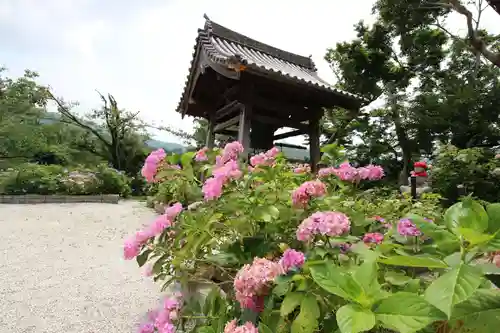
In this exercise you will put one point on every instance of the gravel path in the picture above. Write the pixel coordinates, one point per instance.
(61, 269)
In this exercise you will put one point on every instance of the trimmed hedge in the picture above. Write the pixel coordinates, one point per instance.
(55, 179)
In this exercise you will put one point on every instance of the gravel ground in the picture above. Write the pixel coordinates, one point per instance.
(61, 269)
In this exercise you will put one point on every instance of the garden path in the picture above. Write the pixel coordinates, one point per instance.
(62, 269)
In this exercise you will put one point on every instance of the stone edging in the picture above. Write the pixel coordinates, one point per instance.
(38, 199)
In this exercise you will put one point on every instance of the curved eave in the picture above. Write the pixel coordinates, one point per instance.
(222, 61)
(495, 4)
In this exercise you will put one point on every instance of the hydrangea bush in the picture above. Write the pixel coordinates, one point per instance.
(284, 250)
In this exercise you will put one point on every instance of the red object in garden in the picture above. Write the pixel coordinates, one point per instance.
(422, 165)
(419, 169)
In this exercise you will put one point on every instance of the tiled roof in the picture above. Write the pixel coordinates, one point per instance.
(495, 4)
(227, 48)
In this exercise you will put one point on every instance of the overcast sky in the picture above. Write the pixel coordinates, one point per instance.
(140, 51)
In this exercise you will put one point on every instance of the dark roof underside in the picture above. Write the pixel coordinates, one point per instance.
(220, 47)
(495, 4)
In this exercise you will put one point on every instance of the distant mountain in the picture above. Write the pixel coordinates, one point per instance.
(170, 147)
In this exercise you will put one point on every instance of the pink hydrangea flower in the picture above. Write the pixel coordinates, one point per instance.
(306, 191)
(131, 249)
(230, 170)
(151, 164)
(324, 223)
(302, 169)
(174, 210)
(382, 220)
(292, 259)
(201, 155)
(325, 172)
(264, 159)
(348, 173)
(212, 188)
(161, 223)
(232, 327)
(373, 238)
(231, 152)
(374, 172)
(496, 260)
(162, 319)
(146, 328)
(253, 281)
(344, 247)
(273, 152)
(407, 228)
(226, 168)
(148, 271)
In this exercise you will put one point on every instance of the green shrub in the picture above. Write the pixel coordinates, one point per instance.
(475, 168)
(112, 181)
(55, 179)
(33, 178)
(287, 252)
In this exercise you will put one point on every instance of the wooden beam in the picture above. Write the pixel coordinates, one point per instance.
(282, 107)
(244, 128)
(282, 122)
(210, 143)
(314, 134)
(288, 134)
(230, 92)
(289, 145)
(227, 109)
(228, 123)
(228, 133)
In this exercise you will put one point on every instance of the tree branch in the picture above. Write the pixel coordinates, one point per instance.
(476, 42)
(74, 119)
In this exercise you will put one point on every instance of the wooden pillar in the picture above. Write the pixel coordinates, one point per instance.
(314, 134)
(210, 143)
(244, 127)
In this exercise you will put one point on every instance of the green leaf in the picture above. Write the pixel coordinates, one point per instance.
(481, 312)
(214, 303)
(158, 265)
(364, 252)
(493, 211)
(187, 159)
(453, 287)
(413, 286)
(143, 257)
(264, 329)
(445, 240)
(307, 320)
(474, 237)
(310, 305)
(267, 213)
(282, 285)
(205, 329)
(223, 258)
(336, 281)
(455, 259)
(467, 214)
(488, 268)
(290, 302)
(366, 275)
(397, 278)
(412, 261)
(352, 318)
(406, 312)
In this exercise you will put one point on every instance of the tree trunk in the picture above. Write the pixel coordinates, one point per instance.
(404, 143)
